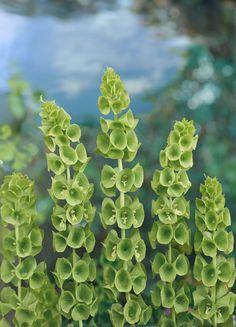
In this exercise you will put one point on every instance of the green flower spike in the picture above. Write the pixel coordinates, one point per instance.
(171, 183)
(118, 141)
(215, 272)
(73, 213)
(22, 240)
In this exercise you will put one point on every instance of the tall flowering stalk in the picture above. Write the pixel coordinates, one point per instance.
(213, 300)
(125, 249)
(30, 296)
(171, 183)
(72, 215)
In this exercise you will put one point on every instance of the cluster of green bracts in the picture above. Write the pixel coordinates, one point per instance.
(214, 303)
(124, 251)
(34, 302)
(171, 184)
(72, 215)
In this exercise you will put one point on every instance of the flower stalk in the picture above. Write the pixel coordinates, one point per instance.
(72, 215)
(214, 272)
(171, 183)
(124, 273)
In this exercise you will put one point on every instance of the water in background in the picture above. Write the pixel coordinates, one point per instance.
(64, 52)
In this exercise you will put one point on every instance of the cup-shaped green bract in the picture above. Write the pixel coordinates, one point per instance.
(80, 271)
(125, 249)
(125, 217)
(125, 180)
(132, 312)
(123, 281)
(84, 293)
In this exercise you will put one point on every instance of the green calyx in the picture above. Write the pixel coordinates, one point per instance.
(114, 96)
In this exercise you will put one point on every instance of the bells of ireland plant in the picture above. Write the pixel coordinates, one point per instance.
(170, 229)
(27, 295)
(215, 272)
(72, 214)
(122, 214)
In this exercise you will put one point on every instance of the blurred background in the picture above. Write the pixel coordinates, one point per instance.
(176, 57)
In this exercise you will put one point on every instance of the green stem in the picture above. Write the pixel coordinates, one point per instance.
(19, 261)
(68, 174)
(80, 323)
(213, 295)
(170, 261)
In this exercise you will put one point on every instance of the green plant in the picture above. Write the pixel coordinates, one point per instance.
(82, 297)
(171, 183)
(72, 215)
(118, 141)
(214, 303)
(35, 300)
